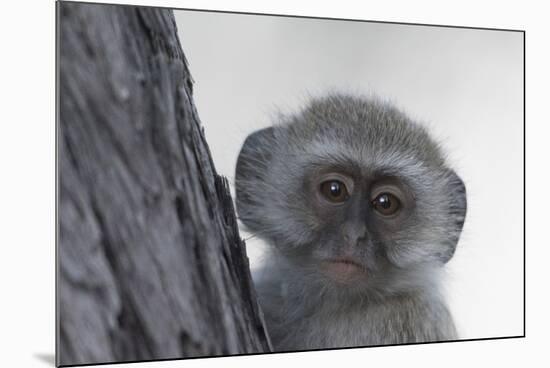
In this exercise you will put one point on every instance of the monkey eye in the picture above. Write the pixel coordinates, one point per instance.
(386, 204)
(334, 190)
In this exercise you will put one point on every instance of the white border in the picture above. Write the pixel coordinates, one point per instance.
(27, 189)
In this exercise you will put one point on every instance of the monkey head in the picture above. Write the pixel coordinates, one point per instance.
(352, 193)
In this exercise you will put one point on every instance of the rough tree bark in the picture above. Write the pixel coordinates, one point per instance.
(150, 261)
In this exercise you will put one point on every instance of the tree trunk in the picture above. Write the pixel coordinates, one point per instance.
(150, 261)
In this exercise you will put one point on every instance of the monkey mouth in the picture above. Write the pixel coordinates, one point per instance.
(344, 269)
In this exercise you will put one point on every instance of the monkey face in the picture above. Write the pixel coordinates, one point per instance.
(358, 215)
(376, 227)
(353, 193)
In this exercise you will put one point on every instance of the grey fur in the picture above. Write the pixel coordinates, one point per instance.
(400, 300)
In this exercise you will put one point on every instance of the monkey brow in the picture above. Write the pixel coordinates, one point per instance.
(353, 165)
(336, 161)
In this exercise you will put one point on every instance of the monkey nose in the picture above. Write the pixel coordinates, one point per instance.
(354, 240)
(354, 235)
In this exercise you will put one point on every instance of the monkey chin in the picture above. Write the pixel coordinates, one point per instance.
(344, 271)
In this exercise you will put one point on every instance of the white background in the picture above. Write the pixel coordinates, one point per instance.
(27, 186)
(465, 85)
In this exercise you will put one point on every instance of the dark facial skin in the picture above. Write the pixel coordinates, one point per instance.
(358, 213)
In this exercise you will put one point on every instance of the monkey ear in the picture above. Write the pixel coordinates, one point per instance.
(251, 174)
(457, 212)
